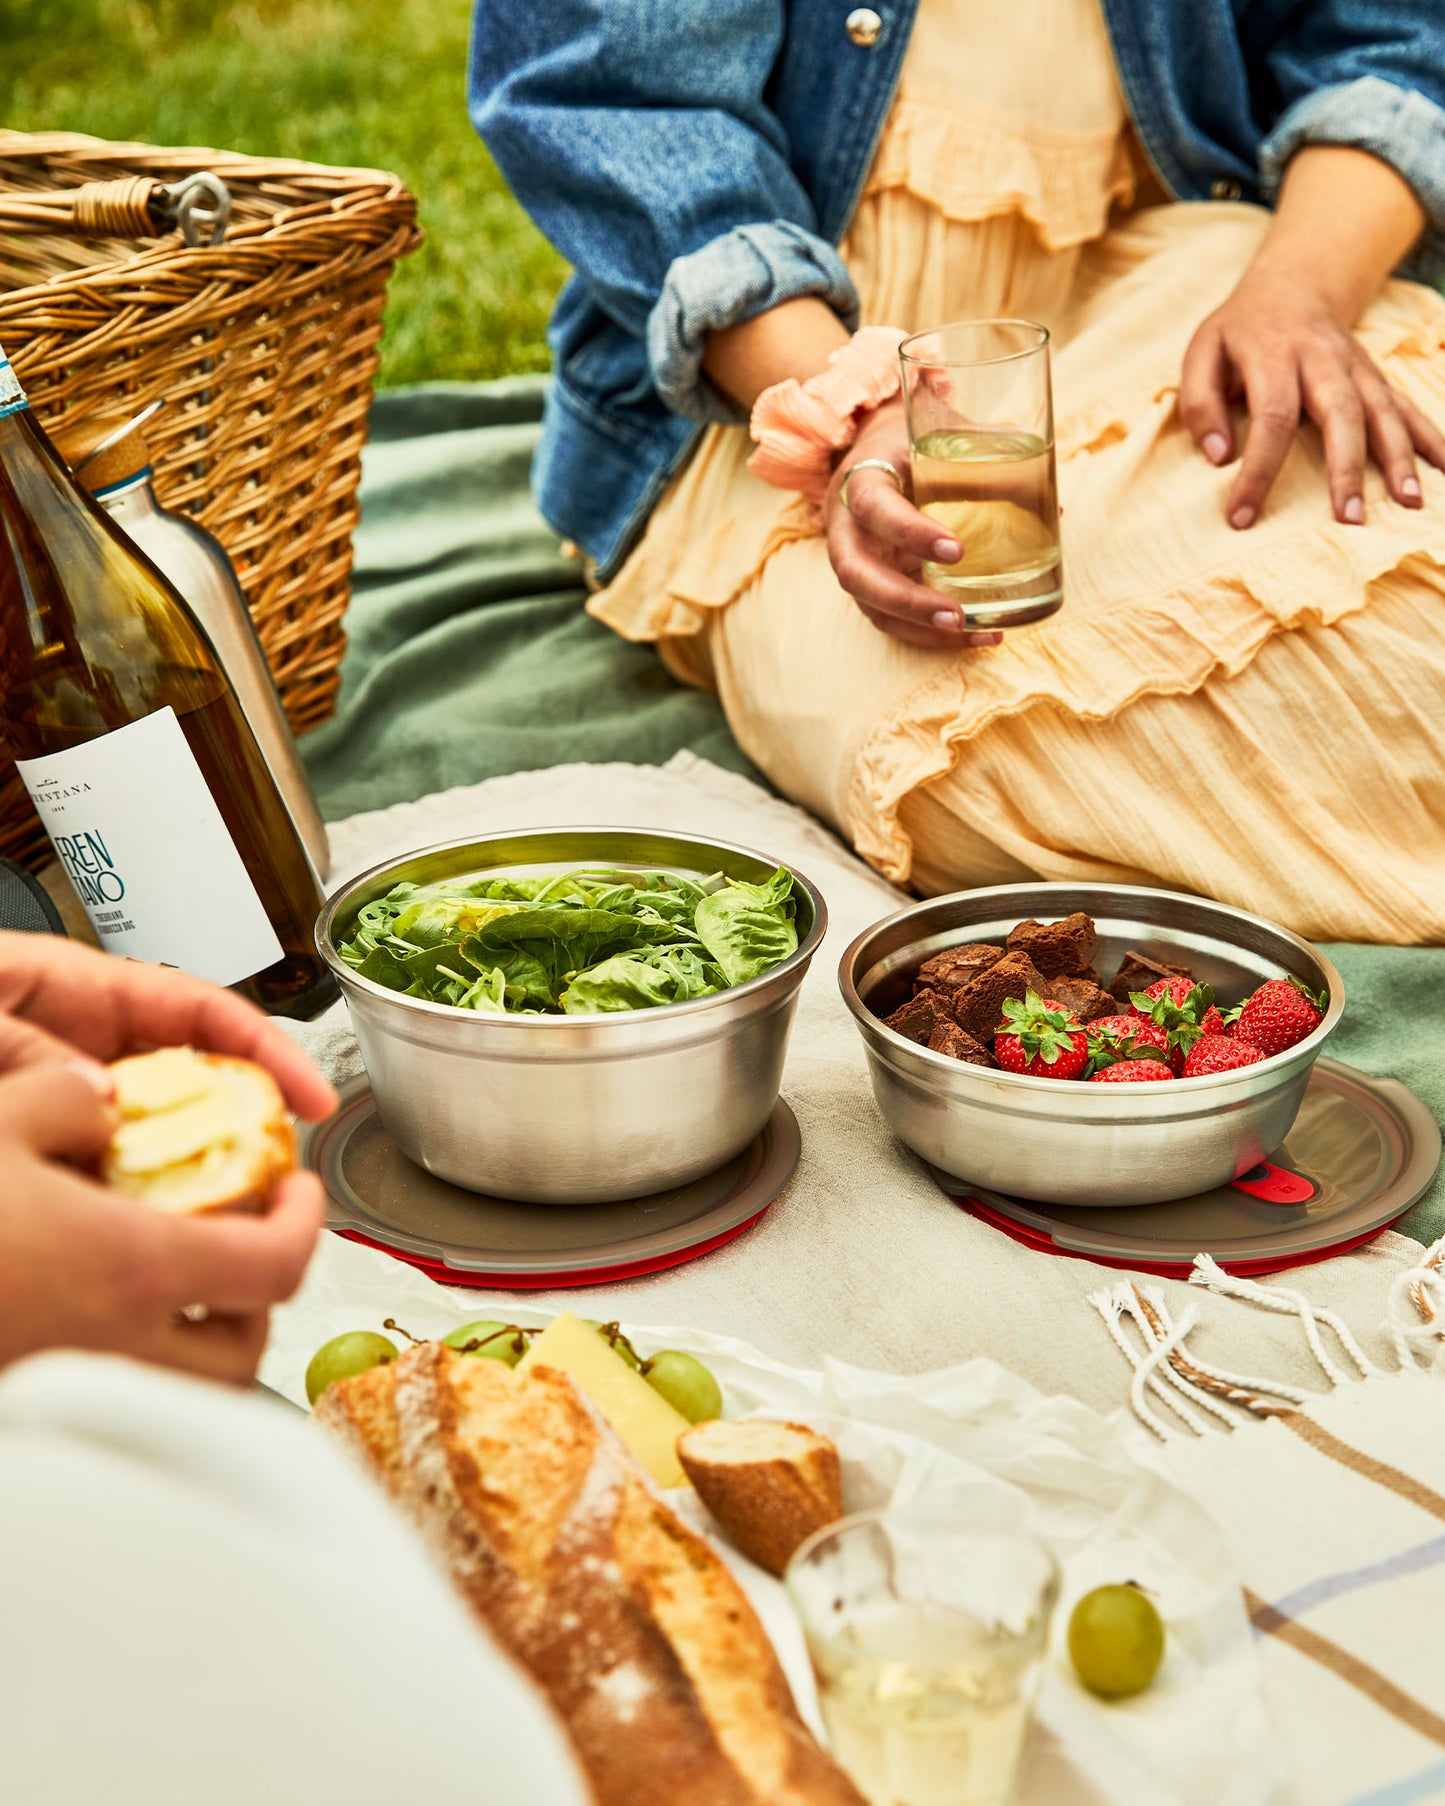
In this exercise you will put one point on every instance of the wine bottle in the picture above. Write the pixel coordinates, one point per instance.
(134, 748)
(108, 456)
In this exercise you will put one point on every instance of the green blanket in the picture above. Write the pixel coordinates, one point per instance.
(471, 656)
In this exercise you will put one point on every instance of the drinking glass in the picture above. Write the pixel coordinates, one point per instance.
(927, 1640)
(981, 446)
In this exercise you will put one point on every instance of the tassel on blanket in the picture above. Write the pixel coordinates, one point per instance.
(1207, 1272)
(1415, 1313)
(1164, 1366)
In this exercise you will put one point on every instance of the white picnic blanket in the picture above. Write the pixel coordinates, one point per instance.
(863, 1257)
(864, 1260)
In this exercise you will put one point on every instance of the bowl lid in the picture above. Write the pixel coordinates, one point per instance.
(1361, 1151)
(376, 1194)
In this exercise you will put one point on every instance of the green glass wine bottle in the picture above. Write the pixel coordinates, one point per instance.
(135, 751)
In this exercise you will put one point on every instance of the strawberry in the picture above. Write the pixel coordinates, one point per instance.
(1183, 1009)
(1278, 1015)
(1040, 1038)
(1219, 1053)
(1132, 1072)
(1114, 1038)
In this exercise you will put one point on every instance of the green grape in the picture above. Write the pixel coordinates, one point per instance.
(1116, 1641)
(345, 1355)
(685, 1383)
(611, 1334)
(497, 1341)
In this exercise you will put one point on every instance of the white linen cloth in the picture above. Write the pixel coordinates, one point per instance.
(204, 1602)
(973, 1445)
(862, 1257)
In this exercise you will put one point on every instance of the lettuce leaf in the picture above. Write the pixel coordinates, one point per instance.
(748, 928)
(582, 942)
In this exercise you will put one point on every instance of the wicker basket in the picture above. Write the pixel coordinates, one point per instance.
(264, 346)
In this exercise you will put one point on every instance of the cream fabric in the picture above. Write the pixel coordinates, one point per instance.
(1256, 716)
(205, 1602)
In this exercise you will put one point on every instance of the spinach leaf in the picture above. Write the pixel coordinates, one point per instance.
(581, 942)
(642, 981)
(748, 928)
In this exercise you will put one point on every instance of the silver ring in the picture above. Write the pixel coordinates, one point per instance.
(868, 464)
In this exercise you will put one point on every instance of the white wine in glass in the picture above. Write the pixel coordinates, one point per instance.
(981, 452)
(995, 491)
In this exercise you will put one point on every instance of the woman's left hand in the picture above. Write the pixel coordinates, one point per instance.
(1278, 344)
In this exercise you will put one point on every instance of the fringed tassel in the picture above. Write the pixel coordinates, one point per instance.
(1415, 1313)
(1207, 1272)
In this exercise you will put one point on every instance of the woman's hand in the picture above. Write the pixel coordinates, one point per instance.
(1283, 340)
(878, 542)
(82, 1267)
(59, 999)
(1278, 344)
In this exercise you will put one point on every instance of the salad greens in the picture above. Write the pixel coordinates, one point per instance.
(582, 944)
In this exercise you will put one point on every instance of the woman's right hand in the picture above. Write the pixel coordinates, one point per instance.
(877, 543)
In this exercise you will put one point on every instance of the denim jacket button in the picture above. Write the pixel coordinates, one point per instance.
(864, 27)
(1225, 190)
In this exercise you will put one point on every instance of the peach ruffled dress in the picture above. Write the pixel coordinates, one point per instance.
(1256, 716)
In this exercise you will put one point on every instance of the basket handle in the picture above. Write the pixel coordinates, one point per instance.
(132, 207)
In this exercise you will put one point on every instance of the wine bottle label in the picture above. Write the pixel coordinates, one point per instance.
(140, 837)
(12, 396)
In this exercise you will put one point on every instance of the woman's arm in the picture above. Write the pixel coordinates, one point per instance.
(794, 340)
(1283, 340)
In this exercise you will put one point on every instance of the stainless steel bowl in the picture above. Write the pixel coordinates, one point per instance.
(573, 1109)
(1086, 1144)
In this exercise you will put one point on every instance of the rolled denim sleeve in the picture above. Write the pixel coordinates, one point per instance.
(637, 135)
(1369, 74)
(735, 277)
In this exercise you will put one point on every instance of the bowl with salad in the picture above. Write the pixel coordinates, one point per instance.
(574, 1015)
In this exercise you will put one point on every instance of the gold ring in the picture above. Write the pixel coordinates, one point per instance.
(868, 464)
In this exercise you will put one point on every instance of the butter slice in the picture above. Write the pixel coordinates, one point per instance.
(641, 1417)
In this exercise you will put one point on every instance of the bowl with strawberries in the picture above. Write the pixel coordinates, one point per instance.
(1089, 1043)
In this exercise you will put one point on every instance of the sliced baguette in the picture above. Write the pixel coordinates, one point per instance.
(198, 1132)
(770, 1485)
(630, 1622)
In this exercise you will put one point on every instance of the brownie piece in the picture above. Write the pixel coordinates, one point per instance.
(952, 969)
(978, 1007)
(948, 1038)
(1085, 998)
(919, 1017)
(1137, 971)
(1066, 947)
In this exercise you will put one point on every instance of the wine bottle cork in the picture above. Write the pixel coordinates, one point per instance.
(103, 450)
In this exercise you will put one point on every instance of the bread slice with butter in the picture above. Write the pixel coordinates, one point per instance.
(645, 1644)
(198, 1132)
(770, 1485)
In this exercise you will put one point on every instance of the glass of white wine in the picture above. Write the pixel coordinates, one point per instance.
(927, 1640)
(981, 441)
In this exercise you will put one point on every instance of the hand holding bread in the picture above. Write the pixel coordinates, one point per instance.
(81, 1265)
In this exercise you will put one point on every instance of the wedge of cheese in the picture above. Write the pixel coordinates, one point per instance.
(641, 1417)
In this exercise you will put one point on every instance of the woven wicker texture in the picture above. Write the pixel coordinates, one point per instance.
(264, 346)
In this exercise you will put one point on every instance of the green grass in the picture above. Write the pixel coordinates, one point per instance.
(373, 82)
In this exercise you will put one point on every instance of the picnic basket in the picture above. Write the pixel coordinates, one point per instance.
(260, 330)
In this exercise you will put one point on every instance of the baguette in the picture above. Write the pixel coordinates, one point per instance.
(645, 1644)
(198, 1132)
(770, 1485)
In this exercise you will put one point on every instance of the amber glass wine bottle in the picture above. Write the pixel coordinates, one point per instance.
(134, 748)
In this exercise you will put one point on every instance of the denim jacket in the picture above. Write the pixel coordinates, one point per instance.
(697, 162)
